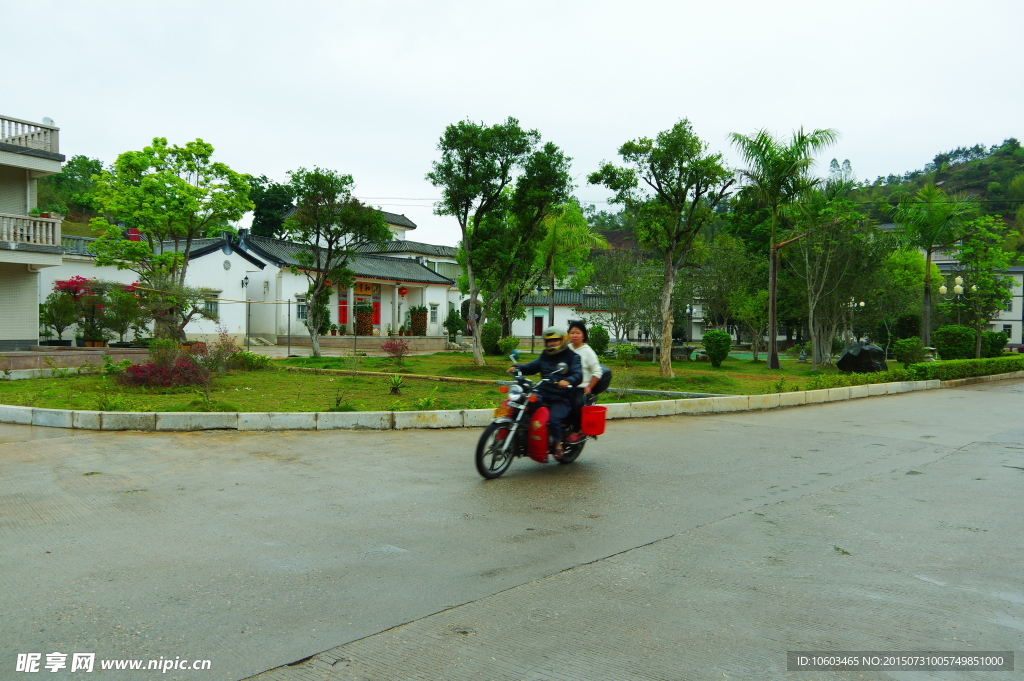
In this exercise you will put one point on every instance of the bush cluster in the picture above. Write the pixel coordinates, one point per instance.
(954, 341)
(992, 343)
(490, 334)
(963, 368)
(909, 350)
(716, 345)
(597, 338)
(507, 344)
(823, 381)
(182, 372)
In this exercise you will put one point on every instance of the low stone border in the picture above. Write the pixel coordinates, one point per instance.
(463, 418)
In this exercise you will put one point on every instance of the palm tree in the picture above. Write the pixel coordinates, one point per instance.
(567, 243)
(776, 173)
(932, 220)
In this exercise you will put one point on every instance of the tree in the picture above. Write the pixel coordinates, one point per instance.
(567, 244)
(272, 202)
(613, 271)
(682, 185)
(330, 225)
(723, 269)
(478, 164)
(750, 307)
(982, 263)
(835, 258)
(173, 196)
(58, 312)
(73, 188)
(931, 220)
(777, 172)
(896, 292)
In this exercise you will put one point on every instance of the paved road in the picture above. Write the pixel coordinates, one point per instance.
(675, 548)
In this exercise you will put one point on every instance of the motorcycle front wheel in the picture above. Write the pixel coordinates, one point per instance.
(490, 461)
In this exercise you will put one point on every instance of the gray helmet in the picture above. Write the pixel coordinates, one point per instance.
(555, 332)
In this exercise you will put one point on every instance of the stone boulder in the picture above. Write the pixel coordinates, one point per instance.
(862, 358)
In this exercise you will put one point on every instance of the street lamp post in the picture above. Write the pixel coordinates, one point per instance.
(853, 306)
(958, 292)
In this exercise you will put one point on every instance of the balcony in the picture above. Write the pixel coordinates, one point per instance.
(30, 231)
(28, 135)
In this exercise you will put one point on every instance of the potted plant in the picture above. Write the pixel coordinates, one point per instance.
(390, 331)
(401, 330)
(334, 329)
(418, 320)
(453, 324)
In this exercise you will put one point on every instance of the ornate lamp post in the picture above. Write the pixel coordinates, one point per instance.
(958, 292)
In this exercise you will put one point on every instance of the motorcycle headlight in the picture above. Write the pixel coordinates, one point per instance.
(514, 391)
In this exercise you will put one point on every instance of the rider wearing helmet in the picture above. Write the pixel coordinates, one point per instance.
(557, 395)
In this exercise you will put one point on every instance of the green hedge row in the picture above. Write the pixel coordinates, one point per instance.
(850, 379)
(962, 368)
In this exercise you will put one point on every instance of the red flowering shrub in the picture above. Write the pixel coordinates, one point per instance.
(182, 372)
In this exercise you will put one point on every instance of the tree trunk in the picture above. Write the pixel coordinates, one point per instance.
(478, 354)
(666, 319)
(773, 280)
(551, 304)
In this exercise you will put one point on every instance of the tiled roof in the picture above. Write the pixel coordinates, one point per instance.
(414, 247)
(562, 297)
(390, 218)
(366, 266)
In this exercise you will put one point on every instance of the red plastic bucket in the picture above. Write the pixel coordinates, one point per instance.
(592, 420)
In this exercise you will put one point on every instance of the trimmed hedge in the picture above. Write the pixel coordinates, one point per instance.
(963, 368)
(954, 341)
(823, 381)
(716, 345)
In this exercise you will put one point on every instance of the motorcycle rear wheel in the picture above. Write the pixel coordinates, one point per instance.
(572, 451)
(490, 461)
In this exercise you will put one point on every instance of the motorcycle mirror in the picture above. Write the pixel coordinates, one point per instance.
(562, 368)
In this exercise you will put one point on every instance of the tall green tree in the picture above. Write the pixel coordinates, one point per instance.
(173, 195)
(777, 172)
(567, 244)
(73, 188)
(932, 220)
(478, 164)
(983, 263)
(723, 269)
(272, 202)
(330, 225)
(671, 185)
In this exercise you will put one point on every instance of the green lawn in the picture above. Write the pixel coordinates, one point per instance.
(281, 390)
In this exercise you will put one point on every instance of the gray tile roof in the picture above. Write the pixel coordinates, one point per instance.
(284, 253)
(412, 247)
(390, 218)
(562, 297)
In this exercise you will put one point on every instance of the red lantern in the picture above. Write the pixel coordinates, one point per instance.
(402, 291)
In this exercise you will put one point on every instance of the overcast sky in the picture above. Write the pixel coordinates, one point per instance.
(367, 88)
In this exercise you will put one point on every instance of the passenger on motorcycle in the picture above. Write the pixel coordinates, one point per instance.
(557, 395)
(592, 373)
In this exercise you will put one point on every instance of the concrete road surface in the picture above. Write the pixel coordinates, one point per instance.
(675, 548)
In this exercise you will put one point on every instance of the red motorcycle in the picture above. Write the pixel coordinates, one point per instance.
(520, 427)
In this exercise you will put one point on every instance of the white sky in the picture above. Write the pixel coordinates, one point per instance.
(367, 88)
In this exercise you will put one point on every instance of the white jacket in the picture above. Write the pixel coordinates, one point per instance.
(591, 367)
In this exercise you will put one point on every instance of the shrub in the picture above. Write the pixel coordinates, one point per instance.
(598, 338)
(907, 325)
(963, 368)
(954, 341)
(992, 343)
(183, 372)
(794, 349)
(909, 350)
(453, 323)
(625, 353)
(716, 345)
(823, 381)
(396, 348)
(507, 344)
(244, 360)
(364, 319)
(489, 336)
(164, 351)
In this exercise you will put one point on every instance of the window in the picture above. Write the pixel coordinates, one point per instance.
(433, 313)
(1008, 330)
(300, 308)
(1008, 306)
(210, 305)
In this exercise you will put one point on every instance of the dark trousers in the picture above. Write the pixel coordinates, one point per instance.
(558, 412)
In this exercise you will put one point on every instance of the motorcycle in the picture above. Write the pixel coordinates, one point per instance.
(520, 428)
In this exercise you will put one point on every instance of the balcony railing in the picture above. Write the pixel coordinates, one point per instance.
(77, 245)
(29, 134)
(30, 230)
